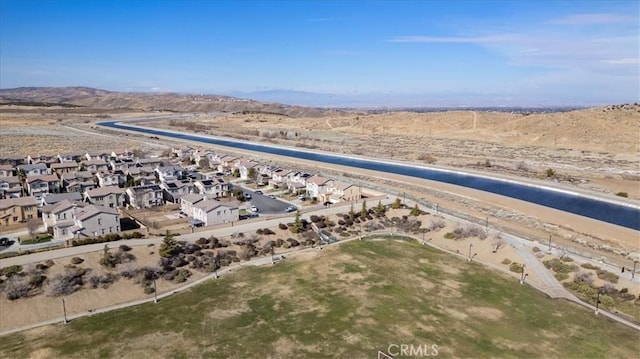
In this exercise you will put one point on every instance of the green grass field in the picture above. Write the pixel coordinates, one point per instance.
(348, 301)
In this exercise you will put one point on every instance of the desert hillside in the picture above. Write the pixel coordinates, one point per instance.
(101, 99)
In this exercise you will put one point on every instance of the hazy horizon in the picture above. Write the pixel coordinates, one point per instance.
(332, 54)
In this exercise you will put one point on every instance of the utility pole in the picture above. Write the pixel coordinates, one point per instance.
(486, 225)
(361, 230)
(549, 244)
(470, 257)
(633, 274)
(64, 311)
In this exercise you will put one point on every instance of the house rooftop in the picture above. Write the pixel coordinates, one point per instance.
(52, 198)
(192, 198)
(21, 201)
(43, 178)
(104, 191)
(92, 210)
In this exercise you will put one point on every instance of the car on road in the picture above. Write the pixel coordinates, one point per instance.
(254, 209)
(258, 192)
(247, 195)
(291, 209)
(4, 241)
(271, 196)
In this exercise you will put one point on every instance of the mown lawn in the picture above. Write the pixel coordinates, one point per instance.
(349, 301)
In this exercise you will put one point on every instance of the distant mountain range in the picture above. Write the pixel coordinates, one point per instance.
(92, 98)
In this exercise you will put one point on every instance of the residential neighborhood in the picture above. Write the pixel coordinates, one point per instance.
(79, 195)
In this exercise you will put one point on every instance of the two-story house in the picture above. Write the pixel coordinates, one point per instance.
(247, 168)
(67, 220)
(188, 201)
(80, 181)
(111, 178)
(64, 167)
(111, 196)
(175, 189)
(297, 181)
(170, 173)
(122, 154)
(214, 188)
(71, 157)
(122, 164)
(39, 186)
(150, 162)
(12, 160)
(17, 210)
(279, 178)
(42, 158)
(6, 170)
(37, 169)
(98, 155)
(141, 175)
(210, 212)
(338, 191)
(10, 187)
(94, 166)
(317, 186)
(145, 196)
(53, 198)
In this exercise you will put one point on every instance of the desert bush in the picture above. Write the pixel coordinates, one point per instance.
(42, 267)
(515, 267)
(76, 260)
(314, 218)
(282, 226)
(535, 249)
(606, 275)
(522, 166)
(203, 241)
(550, 172)
(559, 266)
(609, 289)
(124, 248)
(128, 273)
(102, 280)
(506, 261)
(561, 276)
(566, 259)
(149, 289)
(586, 277)
(68, 282)
(589, 266)
(37, 280)
(10, 271)
(49, 263)
(16, 287)
(436, 224)
(267, 232)
(293, 242)
(321, 224)
(178, 262)
(622, 194)
(260, 231)
(182, 275)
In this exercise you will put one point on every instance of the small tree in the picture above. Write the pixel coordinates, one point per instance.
(204, 163)
(396, 204)
(550, 172)
(236, 173)
(297, 224)
(32, 227)
(168, 246)
(108, 260)
(352, 213)
(415, 211)
(497, 242)
(380, 208)
(364, 211)
(252, 173)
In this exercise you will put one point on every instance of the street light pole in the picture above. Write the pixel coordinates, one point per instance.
(633, 274)
(598, 303)
(360, 230)
(549, 244)
(64, 311)
(522, 275)
(155, 292)
(469, 257)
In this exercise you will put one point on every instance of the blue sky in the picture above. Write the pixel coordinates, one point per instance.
(418, 53)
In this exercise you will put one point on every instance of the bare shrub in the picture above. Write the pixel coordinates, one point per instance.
(68, 282)
(586, 277)
(16, 287)
(76, 260)
(436, 224)
(102, 280)
(497, 242)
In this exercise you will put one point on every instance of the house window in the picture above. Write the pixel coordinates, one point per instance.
(64, 231)
(102, 230)
(99, 221)
(110, 229)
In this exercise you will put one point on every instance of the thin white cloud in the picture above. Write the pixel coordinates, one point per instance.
(456, 39)
(593, 19)
(624, 61)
